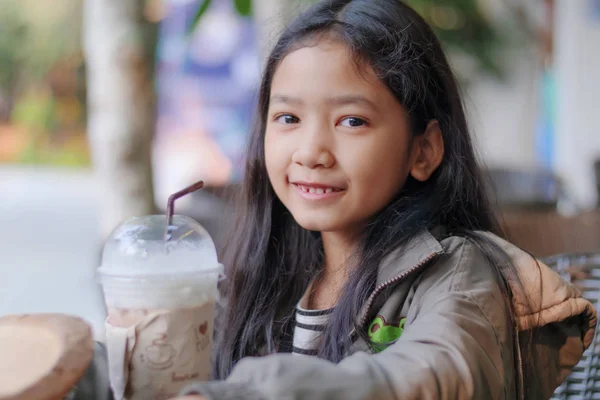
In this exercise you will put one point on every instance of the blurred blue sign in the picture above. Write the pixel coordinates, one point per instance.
(594, 9)
(207, 85)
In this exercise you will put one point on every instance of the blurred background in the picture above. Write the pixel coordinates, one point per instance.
(107, 107)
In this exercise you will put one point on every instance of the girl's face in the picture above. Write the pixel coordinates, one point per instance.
(338, 143)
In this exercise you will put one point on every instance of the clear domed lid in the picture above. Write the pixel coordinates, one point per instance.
(138, 248)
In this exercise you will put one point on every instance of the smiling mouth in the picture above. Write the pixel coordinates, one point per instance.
(316, 191)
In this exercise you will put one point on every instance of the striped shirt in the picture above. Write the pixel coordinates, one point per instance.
(309, 326)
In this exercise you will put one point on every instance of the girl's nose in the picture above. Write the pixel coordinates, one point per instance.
(313, 152)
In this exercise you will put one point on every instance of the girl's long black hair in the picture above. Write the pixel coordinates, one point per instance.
(271, 259)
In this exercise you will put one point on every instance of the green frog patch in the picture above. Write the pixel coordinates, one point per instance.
(383, 334)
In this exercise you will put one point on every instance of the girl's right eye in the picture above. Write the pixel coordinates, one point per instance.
(287, 119)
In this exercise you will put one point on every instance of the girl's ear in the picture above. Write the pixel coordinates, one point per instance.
(427, 152)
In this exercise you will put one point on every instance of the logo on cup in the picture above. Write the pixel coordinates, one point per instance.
(203, 328)
(203, 340)
(160, 354)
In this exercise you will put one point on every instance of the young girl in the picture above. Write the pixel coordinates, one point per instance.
(366, 263)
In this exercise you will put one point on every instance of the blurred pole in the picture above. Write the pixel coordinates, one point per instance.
(118, 45)
(270, 17)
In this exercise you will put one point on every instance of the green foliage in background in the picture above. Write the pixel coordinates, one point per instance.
(460, 24)
(34, 36)
(13, 32)
(243, 8)
(42, 83)
(462, 27)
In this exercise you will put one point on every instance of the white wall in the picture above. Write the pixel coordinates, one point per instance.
(502, 114)
(578, 77)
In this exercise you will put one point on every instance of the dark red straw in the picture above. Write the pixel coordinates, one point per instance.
(171, 204)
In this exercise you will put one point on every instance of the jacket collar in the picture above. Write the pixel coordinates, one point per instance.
(418, 249)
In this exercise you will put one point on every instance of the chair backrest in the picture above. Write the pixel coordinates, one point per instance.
(583, 270)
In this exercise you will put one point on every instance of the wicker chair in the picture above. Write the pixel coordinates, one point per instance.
(583, 270)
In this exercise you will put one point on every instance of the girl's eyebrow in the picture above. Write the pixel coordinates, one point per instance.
(281, 98)
(341, 100)
(344, 100)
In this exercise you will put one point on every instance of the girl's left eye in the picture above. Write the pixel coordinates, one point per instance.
(353, 122)
(287, 119)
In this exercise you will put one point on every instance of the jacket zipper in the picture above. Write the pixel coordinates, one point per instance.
(392, 281)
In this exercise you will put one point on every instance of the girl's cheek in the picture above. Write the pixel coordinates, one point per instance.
(270, 145)
(277, 147)
(273, 161)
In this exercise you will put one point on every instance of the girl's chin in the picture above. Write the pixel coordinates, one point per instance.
(320, 224)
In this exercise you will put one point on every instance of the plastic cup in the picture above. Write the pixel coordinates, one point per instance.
(160, 296)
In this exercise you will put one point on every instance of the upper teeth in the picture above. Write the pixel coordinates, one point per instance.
(316, 190)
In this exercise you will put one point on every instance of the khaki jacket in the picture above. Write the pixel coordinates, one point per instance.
(442, 331)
